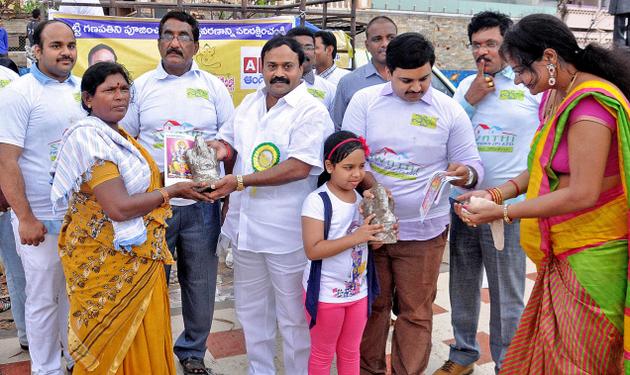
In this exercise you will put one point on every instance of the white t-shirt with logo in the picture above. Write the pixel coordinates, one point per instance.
(34, 116)
(322, 90)
(6, 76)
(504, 122)
(196, 103)
(409, 141)
(344, 276)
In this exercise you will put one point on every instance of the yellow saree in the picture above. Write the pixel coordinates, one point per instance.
(119, 309)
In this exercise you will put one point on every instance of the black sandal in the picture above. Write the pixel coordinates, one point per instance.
(194, 366)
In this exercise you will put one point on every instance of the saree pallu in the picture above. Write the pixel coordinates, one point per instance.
(577, 320)
(119, 319)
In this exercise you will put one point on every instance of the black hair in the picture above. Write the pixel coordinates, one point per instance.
(340, 152)
(301, 31)
(379, 19)
(95, 75)
(99, 47)
(527, 40)
(488, 20)
(36, 13)
(181, 16)
(8, 63)
(37, 34)
(409, 51)
(279, 41)
(328, 39)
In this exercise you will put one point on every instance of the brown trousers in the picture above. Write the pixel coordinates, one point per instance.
(411, 269)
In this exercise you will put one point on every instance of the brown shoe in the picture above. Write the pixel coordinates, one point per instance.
(451, 368)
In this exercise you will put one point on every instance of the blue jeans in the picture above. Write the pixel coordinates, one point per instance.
(16, 281)
(470, 250)
(193, 232)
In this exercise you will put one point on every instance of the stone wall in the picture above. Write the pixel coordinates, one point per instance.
(16, 28)
(447, 33)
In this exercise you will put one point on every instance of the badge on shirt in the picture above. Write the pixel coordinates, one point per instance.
(77, 97)
(4, 83)
(196, 93)
(424, 121)
(318, 94)
(265, 156)
(512, 95)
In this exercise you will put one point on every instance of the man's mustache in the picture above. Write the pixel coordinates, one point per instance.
(484, 58)
(279, 80)
(174, 50)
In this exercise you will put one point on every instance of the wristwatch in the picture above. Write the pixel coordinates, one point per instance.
(472, 176)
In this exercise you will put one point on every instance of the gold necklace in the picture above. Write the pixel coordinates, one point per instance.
(551, 110)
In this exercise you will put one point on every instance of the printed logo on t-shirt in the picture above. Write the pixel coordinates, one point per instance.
(317, 94)
(512, 95)
(352, 286)
(53, 149)
(388, 162)
(173, 126)
(265, 156)
(424, 121)
(494, 139)
(77, 97)
(4, 83)
(192, 93)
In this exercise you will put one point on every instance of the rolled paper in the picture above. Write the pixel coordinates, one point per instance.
(383, 207)
(496, 227)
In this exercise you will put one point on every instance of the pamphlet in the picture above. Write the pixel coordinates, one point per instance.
(433, 192)
(176, 168)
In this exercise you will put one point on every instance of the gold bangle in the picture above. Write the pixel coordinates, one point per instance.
(506, 218)
(165, 196)
(239, 183)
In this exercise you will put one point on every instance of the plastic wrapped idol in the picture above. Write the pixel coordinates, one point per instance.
(203, 163)
(383, 207)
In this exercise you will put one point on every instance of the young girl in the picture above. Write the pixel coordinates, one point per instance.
(338, 278)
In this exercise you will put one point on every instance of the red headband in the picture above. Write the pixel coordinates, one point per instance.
(361, 140)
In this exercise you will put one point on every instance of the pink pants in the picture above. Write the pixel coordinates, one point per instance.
(338, 330)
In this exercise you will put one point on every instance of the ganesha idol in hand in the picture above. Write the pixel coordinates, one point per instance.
(382, 205)
(203, 163)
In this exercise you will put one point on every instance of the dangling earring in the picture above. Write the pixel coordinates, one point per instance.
(552, 74)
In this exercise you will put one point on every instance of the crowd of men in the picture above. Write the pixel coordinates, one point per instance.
(480, 136)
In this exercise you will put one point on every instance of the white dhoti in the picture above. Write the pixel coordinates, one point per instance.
(268, 293)
(46, 307)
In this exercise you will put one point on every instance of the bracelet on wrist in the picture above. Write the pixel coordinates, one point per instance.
(497, 196)
(240, 186)
(506, 218)
(165, 196)
(228, 149)
(518, 191)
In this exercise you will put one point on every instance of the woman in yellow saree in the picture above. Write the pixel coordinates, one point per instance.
(112, 244)
(575, 219)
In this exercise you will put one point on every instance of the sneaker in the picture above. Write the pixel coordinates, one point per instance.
(451, 368)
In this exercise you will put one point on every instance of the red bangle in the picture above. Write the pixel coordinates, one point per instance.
(228, 148)
(518, 191)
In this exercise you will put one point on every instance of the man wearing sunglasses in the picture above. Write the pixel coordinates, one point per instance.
(178, 96)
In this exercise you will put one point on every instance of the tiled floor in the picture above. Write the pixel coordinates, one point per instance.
(226, 348)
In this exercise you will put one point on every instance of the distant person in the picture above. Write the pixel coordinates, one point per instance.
(325, 54)
(621, 10)
(379, 32)
(4, 41)
(101, 53)
(82, 10)
(30, 30)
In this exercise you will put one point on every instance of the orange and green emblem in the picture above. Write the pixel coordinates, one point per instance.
(265, 156)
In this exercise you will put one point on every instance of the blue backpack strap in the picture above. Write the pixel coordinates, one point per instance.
(315, 274)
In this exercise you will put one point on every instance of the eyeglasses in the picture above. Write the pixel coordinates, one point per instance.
(183, 38)
(308, 48)
(491, 44)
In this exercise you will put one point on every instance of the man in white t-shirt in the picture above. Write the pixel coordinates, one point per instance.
(16, 281)
(504, 117)
(325, 54)
(178, 96)
(413, 131)
(320, 88)
(278, 134)
(35, 110)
